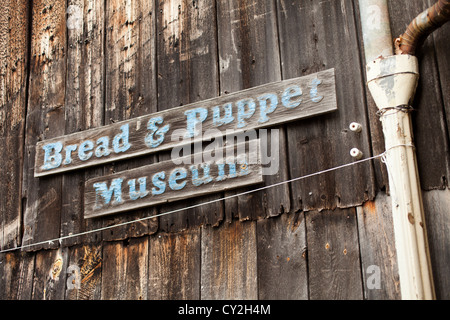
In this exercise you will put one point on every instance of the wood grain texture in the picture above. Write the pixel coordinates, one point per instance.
(45, 119)
(442, 47)
(14, 25)
(328, 39)
(49, 279)
(428, 102)
(282, 258)
(85, 104)
(16, 275)
(376, 239)
(130, 89)
(125, 269)
(84, 262)
(249, 56)
(187, 62)
(333, 255)
(374, 123)
(229, 262)
(55, 81)
(437, 219)
(174, 266)
(435, 202)
(187, 73)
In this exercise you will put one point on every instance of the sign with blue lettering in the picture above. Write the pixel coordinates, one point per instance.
(167, 181)
(258, 107)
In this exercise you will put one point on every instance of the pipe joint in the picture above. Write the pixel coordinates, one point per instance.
(392, 81)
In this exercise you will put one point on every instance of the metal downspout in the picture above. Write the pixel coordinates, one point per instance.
(392, 81)
(424, 24)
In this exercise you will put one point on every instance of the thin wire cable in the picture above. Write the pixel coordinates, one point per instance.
(194, 206)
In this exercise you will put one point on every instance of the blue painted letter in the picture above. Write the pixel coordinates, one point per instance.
(232, 169)
(102, 149)
(150, 141)
(313, 92)
(221, 175)
(69, 150)
(120, 142)
(290, 93)
(156, 180)
(196, 181)
(244, 168)
(52, 155)
(177, 174)
(242, 114)
(87, 145)
(102, 191)
(134, 195)
(192, 121)
(227, 118)
(263, 106)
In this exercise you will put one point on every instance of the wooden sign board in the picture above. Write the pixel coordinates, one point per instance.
(167, 181)
(258, 107)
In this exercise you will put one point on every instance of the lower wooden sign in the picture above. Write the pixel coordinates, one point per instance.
(167, 181)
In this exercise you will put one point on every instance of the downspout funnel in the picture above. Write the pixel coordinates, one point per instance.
(392, 81)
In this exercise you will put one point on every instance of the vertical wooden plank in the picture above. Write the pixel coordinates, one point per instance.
(125, 269)
(187, 72)
(130, 65)
(45, 119)
(84, 105)
(49, 279)
(437, 204)
(74, 77)
(174, 266)
(282, 258)
(328, 39)
(14, 44)
(442, 45)
(94, 92)
(430, 132)
(378, 254)
(187, 54)
(374, 123)
(249, 56)
(130, 89)
(16, 275)
(85, 262)
(9, 264)
(333, 255)
(229, 262)
(71, 201)
(332, 239)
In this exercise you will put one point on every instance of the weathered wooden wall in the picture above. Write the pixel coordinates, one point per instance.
(312, 239)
